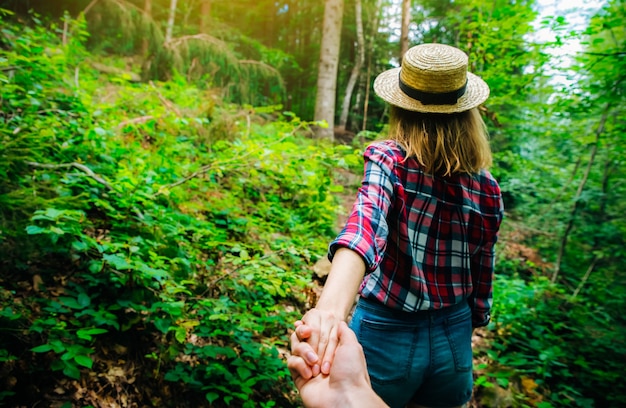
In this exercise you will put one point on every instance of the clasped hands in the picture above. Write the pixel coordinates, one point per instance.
(327, 364)
(317, 337)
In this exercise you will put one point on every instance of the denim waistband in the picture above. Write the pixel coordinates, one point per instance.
(433, 314)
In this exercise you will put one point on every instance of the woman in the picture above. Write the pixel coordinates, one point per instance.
(418, 246)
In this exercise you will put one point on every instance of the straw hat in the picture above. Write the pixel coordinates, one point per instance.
(433, 78)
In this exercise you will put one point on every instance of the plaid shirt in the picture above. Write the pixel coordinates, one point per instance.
(427, 241)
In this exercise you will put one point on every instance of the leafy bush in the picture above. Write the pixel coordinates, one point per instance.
(149, 224)
(558, 351)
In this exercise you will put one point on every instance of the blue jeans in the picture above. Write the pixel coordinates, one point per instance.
(423, 357)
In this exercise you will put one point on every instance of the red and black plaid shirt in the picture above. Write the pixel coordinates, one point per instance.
(427, 241)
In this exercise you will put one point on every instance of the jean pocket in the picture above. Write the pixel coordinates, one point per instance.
(388, 348)
(459, 333)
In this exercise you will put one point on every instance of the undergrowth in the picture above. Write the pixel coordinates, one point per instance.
(156, 243)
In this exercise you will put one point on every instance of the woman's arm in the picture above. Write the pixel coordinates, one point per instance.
(360, 246)
(334, 305)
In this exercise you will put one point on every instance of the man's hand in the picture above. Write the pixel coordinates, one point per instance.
(348, 383)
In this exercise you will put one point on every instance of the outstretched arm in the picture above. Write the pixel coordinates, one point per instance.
(361, 244)
(333, 307)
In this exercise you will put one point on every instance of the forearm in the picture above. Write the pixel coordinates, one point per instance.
(342, 284)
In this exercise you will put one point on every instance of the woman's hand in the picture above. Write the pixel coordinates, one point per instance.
(318, 328)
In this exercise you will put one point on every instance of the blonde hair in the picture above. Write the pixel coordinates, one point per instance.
(445, 144)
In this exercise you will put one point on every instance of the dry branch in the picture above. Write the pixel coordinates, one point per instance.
(175, 42)
(165, 102)
(261, 64)
(76, 165)
(90, 6)
(135, 121)
(586, 277)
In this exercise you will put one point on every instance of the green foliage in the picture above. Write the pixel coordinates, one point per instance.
(155, 225)
(183, 236)
(574, 356)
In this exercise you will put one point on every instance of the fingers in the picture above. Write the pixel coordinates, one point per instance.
(303, 331)
(301, 347)
(329, 346)
(312, 328)
(319, 330)
(300, 371)
(299, 368)
(304, 350)
(304, 361)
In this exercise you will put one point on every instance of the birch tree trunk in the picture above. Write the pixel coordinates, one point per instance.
(360, 59)
(404, 30)
(327, 71)
(170, 21)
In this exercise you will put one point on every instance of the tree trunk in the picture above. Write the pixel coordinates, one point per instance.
(170, 21)
(327, 71)
(205, 13)
(147, 11)
(369, 62)
(404, 31)
(354, 75)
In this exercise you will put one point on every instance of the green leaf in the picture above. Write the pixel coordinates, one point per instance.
(34, 230)
(42, 349)
(83, 299)
(57, 230)
(180, 334)
(158, 274)
(79, 246)
(243, 372)
(86, 334)
(212, 396)
(70, 302)
(117, 262)
(71, 370)
(84, 361)
(162, 325)
(95, 266)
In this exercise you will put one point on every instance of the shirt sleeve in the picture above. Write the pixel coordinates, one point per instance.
(483, 265)
(366, 230)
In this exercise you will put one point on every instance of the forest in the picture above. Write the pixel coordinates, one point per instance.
(172, 172)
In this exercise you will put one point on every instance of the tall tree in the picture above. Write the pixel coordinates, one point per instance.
(327, 71)
(404, 29)
(358, 64)
(170, 21)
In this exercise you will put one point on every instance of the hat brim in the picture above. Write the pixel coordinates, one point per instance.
(387, 87)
